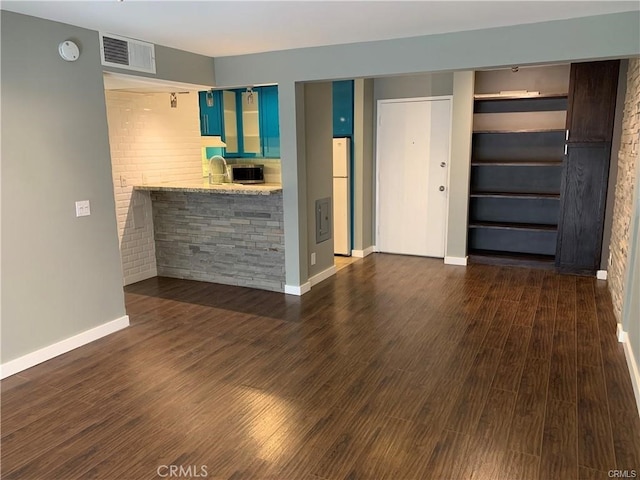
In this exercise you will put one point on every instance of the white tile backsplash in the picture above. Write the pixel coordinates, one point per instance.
(150, 142)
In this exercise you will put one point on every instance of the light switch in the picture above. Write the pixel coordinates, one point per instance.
(83, 208)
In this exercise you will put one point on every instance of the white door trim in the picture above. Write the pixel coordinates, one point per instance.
(377, 160)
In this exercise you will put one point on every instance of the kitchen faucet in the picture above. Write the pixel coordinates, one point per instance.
(226, 168)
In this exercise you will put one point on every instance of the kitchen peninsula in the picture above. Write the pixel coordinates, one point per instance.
(226, 233)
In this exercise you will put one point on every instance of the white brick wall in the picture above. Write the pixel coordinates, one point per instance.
(150, 142)
(623, 207)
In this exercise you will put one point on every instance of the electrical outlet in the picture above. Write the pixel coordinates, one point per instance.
(313, 259)
(123, 181)
(83, 209)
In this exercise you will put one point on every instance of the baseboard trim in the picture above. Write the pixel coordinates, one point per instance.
(323, 275)
(462, 261)
(601, 274)
(634, 372)
(622, 335)
(363, 253)
(297, 290)
(47, 353)
(138, 277)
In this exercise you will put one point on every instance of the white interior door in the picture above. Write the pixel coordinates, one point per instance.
(413, 150)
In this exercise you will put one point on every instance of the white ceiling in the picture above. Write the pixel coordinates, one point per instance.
(218, 28)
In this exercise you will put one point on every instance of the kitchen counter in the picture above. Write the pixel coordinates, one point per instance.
(203, 186)
(230, 234)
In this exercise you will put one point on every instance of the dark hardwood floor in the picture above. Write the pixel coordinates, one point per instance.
(398, 367)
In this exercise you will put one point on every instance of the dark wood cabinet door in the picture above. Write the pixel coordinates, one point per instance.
(592, 101)
(584, 192)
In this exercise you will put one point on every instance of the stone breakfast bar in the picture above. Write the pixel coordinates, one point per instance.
(228, 233)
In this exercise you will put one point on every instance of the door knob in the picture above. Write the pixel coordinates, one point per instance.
(441, 188)
(443, 164)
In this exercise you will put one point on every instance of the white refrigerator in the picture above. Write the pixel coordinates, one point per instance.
(341, 196)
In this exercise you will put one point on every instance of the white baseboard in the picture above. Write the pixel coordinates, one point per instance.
(622, 335)
(298, 290)
(462, 261)
(323, 275)
(601, 274)
(138, 277)
(363, 253)
(47, 353)
(634, 372)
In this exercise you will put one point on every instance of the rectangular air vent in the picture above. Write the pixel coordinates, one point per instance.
(127, 53)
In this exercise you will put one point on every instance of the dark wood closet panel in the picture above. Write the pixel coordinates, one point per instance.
(592, 101)
(590, 115)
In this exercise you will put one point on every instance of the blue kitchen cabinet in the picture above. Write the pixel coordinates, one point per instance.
(250, 128)
(269, 122)
(343, 108)
(210, 116)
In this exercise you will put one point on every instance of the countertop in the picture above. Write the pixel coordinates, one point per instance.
(203, 186)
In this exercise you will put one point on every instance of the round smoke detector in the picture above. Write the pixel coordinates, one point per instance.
(69, 51)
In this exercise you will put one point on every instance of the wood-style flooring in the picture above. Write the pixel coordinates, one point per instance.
(397, 367)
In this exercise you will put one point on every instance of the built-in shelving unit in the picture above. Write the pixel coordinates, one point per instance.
(516, 173)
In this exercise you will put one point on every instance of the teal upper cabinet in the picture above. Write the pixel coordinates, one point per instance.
(210, 113)
(269, 122)
(247, 121)
(343, 108)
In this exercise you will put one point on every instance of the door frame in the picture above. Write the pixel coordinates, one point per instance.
(377, 163)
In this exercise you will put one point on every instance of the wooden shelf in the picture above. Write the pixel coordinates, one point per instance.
(529, 130)
(517, 260)
(516, 163)
(496, 105)
(497, 96)
(514, 226)
(514, 195)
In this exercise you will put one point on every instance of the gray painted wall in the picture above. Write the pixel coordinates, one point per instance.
(460, 167)
(61, 275)
(631, 307)
(363, 183)
(547, 79)
(294, 180)
(410, 86)
(318, 107)
(604, 36)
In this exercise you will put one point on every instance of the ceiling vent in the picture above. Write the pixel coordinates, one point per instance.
(127, 53)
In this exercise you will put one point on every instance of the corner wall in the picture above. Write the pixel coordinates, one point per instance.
(318, 102)
(150, 142)
(625, 184)
(363, 175)
(61, 275)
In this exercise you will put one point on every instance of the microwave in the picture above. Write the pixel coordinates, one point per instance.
(247, 173)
